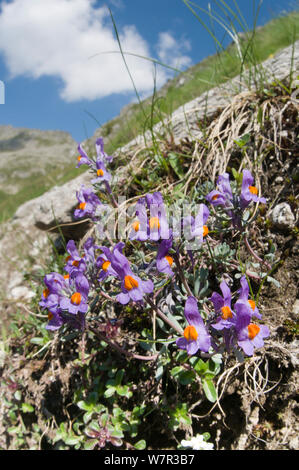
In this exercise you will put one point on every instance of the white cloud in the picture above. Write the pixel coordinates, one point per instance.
(61, 38)
(172, 51)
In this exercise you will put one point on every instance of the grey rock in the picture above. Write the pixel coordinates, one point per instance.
(55, 205)
(282, 216)
(21, 293)
(295, 309)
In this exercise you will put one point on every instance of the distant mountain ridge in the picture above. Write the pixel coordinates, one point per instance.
(27, 152)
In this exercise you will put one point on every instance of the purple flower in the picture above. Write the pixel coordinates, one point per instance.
(132, 286)
(139, 230)
(249, 192)
(234, 205)
(89, 250)
(100, 151)
(49, 301)
(249, 335)
(222, 306)
(195, 228)
(83, 157)
(164, 260)
(88, 203)
(243, 298)
(157, 224)
(65, 295)
(103, 263)
(55, 320)
(55, 284)
(77, 301)
(195, 336)
(75, 263)
(102, 173)
(223, 196)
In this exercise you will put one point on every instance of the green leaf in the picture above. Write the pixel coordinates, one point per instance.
(117, 433)
(140, 445)
(87, 416)
(175, 164)
(90, 444)
(27, 408)
(38, 341)
(199, 365)
(13, 429)
(123, 391)
(176, 370)
(72, 440)
(18, 395)
(119, 377)
(186, 377)
(209, 390)
(109, 392)
(83, 405)
(243, 140)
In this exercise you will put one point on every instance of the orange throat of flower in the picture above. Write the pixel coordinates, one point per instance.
(50, 316)
(130, 283)
(136, 225)
(46, 293)
(190, 333)
(253, 330)
(253, 190)
(252, 304)
(169, 259)
(82, 206)
(205, 231)
(154, 223)
(106, 265)
(76, 298)
(226, 312)
(100, 172)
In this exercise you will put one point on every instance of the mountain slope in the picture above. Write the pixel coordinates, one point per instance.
(31, 162)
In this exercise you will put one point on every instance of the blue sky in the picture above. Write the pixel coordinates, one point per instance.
(58, 59)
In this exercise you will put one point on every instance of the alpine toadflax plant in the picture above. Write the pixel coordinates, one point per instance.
(183, 281)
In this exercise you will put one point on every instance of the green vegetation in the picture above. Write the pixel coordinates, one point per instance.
(256, 47)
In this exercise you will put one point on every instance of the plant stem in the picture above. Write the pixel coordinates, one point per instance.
(109, 191)
(181, 274)
(211, 255)
(164, 317)
(119, 349)
(252, 252)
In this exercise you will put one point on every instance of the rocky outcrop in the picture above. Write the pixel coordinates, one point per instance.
(184, 121)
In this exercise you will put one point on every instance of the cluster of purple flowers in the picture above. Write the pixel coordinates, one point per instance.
(236, 323)
(150, 219)
(234, 205)
(88, 201)
(132, 286)
(66, 297)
